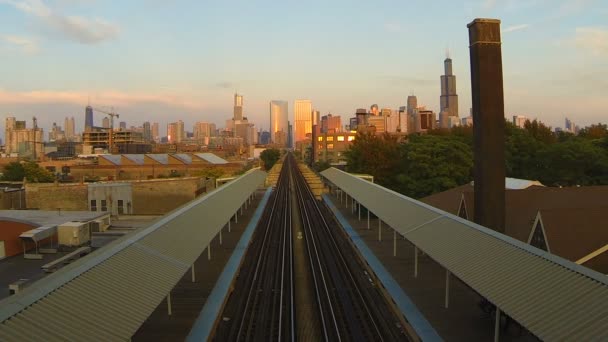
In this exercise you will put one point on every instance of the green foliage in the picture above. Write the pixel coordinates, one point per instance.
(539, 131)
(598, 131)
(30, 170)
(443, 158)
(213, 172)
(574, 162)
(269, 157)
(13, 172)
(420, 167)
(433, 164)
(321, 166)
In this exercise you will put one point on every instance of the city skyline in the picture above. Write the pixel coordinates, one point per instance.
(553, 62)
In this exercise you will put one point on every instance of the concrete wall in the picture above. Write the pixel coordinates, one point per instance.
(149, 197)
(117, 196)
(157, 197)
(56, 196)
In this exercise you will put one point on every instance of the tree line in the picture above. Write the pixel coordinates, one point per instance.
(422, 165)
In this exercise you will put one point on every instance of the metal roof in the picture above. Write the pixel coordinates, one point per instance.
(49, 217)
(108, 294)
(550, 296)
(211, 158)
(39, 233)
(183, 157)
(159, 158)
(112, 158)
(135, 158)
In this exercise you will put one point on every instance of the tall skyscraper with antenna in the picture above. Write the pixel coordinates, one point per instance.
(449, 98)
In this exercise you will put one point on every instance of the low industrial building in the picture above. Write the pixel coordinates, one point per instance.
(20, 229)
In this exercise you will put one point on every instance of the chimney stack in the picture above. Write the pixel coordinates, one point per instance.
(488, 122)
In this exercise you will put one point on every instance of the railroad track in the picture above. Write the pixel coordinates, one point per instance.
(261, 306)
(351, 307)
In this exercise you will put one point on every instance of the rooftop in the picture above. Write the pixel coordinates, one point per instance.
(48, 217)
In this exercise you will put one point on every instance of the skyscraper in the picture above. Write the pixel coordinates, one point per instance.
(238, 107)
(278, 122)
(70, 130)
(88, 118)
(147, 132)
(448, 98)
(155, 132)
(175, 132)
(105, 122)
(303, 119)
(412, 104)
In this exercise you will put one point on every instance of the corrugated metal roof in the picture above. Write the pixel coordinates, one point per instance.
(552, 297)
(159, 157)
(108, 294)
(183, 157)
(211, 158)
(136, 158)
(112, 158)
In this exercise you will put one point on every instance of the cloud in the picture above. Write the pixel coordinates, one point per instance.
(515, 28)
(25, 45)
(74, 28)
(109, 97)
(591, 39)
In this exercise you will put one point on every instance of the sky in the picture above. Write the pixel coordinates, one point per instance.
(161, 61)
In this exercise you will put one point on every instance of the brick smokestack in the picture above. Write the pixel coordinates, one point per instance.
(488, 122)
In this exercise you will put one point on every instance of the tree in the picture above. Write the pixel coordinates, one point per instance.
(574, 162)
(377, 155)
(432, 164)
(420, 167)
(30, 170)
(540, 131)
(598, 131)
(269, 157)
(13, 172)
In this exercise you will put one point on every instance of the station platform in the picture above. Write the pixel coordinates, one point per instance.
(462, 321)
(188, 298)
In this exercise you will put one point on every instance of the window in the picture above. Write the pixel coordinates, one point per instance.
(320, 146)
(330, 146)
(538, 238)
(319, 138)
(93, 205)
(351, 137)
(330, 138)
(121, 207)
(340, 138)
(104, 205)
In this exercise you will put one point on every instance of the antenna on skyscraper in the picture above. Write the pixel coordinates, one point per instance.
(447, 52)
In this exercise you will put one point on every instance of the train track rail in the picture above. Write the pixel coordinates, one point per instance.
(348, 301)
(261, 306)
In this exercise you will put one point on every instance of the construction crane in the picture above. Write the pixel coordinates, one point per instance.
(111, 114)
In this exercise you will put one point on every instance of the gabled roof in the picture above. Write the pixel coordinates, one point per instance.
(137, 159)
(211, 158)
(112, 158)
(575, 233)
(161, 158)
(183, 157)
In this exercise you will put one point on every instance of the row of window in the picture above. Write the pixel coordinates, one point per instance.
(339, 138)
(104, 206)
